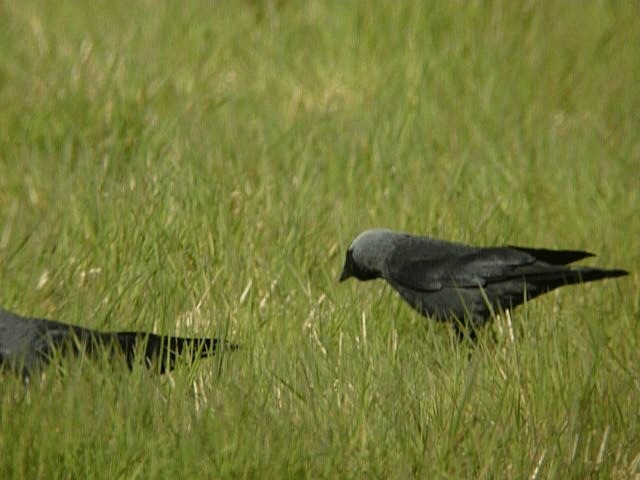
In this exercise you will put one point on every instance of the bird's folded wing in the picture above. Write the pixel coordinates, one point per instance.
(476, 269)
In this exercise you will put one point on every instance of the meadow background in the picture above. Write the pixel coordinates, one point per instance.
(201, 167)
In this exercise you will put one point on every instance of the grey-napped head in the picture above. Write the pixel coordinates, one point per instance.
(367, 253)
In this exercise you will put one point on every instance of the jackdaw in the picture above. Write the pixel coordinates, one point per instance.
(27, 343)
(465, 284)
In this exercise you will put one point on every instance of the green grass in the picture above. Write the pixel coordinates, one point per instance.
(201, 168)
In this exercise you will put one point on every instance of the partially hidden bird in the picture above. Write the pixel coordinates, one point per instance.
(28, 343)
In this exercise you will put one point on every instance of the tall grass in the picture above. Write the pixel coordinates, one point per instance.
(201, 167)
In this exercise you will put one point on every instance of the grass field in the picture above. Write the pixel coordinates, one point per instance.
(201, 167)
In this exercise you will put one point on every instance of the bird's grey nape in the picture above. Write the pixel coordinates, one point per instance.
(367, 253)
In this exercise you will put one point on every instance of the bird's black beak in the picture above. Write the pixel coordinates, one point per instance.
(344, 275)
(347, 270)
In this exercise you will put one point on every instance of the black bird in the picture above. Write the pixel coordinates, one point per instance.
(452, 281)
(28, 343)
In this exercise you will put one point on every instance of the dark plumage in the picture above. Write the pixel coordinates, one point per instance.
(448, 280)
(27, 343)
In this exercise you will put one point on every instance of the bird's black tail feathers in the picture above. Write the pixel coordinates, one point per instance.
(555, 257)
(549, 280)
(162, 350)
(159, 351)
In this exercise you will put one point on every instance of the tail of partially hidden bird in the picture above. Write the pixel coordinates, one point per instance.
(165, 349)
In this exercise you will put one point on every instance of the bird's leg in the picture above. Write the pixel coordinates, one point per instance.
(465, 331)
(494, 337)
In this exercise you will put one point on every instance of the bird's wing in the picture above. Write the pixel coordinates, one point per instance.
(554, 257)
(457, 268)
